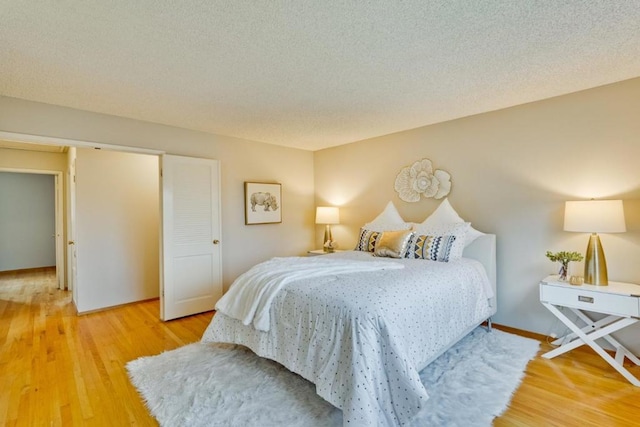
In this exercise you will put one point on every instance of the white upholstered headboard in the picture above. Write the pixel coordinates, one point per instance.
(483, 249)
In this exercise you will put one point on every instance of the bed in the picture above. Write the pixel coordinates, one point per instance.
(363, 337)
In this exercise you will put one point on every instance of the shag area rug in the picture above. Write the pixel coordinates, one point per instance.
(205, 384)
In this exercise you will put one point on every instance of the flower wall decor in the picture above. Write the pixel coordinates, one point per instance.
(420, 180)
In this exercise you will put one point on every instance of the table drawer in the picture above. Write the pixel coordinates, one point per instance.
(622, 305)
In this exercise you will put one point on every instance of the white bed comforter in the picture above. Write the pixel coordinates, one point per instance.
(250, 297)
(362, 338)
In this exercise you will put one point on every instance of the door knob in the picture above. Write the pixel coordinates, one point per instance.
(216, 241)
(71, 242)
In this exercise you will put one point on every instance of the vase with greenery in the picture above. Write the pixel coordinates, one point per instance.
(564, 258)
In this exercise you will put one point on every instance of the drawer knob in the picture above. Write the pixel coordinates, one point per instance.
(585, 299)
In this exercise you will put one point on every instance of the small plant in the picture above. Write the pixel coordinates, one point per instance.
(564, 258)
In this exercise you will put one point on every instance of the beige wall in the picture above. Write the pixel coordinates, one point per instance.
(240, 161)
(22, 159)
(512, 170)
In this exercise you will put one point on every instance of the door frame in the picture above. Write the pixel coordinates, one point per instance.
(58, 214)
(66, 142)
(37, 139)
(70, 204)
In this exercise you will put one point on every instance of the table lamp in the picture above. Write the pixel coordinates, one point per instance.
(595, 216)
(327, 215)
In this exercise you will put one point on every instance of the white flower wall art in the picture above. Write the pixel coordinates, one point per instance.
(420, 180)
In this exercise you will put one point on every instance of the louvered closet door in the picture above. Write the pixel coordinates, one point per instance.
(191, 249)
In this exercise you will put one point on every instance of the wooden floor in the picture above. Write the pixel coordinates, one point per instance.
(60, 369)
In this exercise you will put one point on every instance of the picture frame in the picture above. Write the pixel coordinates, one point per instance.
(262, 203)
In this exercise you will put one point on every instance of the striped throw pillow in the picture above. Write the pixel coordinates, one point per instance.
(367, 240)
(434, 248)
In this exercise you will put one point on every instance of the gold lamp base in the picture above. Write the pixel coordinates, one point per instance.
(327, 238)
(595, 265)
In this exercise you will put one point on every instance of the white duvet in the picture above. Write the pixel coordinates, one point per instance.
(362, 338)
(250, 296)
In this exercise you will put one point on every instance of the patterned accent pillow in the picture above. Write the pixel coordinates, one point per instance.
(367, 240)
(434, 248)
(459, 230)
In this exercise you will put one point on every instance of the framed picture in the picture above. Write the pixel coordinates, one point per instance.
(262, 203)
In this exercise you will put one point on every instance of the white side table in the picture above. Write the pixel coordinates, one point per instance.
(620, 301)
(317, 252)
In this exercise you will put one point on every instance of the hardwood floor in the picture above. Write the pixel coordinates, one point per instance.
(576, 389)
(60, 369)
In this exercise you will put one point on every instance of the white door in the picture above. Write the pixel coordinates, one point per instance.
(190, 264)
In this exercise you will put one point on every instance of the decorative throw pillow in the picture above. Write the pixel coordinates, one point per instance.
(434, 248)
(392, 244)
(367, 240)
(458, 230)
(388, 220)
(445, 214)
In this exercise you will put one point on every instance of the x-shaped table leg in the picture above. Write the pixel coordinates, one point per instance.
(582, 338)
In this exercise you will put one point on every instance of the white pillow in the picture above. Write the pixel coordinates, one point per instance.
(458, 229)
(445, 214)
(388, 220)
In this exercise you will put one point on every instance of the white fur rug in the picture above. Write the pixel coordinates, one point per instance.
(223, 385)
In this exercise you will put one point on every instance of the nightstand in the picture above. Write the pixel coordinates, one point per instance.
(317, 252)
(620, 301)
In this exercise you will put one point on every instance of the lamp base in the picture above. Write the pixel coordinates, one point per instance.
(327, 238)
(595, 265)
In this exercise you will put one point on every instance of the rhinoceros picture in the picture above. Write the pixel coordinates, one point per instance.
(262, 203)
(267, 200)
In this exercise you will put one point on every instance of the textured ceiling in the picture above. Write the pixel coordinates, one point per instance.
(311, 74)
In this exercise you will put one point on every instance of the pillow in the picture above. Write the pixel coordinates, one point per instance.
(458, 230)
(445, 214)
(392, 244)
(388, 220)
(434, 248)
(367, 240)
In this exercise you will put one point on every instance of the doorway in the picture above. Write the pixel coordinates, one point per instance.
(31, 221)
(216, 288)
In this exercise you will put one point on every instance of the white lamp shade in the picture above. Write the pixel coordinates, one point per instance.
(327, 215)
(594, 216)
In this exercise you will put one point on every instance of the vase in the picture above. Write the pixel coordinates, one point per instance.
(564, 268)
